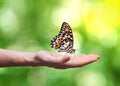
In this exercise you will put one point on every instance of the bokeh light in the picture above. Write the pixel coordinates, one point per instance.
(30, 25)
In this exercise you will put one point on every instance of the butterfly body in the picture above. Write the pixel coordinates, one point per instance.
(64, 40)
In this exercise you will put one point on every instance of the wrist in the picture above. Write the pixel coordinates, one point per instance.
(33, 59)
(29, 59)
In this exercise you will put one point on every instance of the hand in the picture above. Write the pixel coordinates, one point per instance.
(45, 58)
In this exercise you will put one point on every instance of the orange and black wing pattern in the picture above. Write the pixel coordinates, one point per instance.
(64, 40)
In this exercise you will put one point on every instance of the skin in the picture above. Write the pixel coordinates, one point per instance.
(10, 58)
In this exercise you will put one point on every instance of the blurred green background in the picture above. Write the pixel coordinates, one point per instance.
(29, 25)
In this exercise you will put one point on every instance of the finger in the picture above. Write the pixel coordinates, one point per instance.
(50, 57)
(94, 57)
(57, 58)
(81, 60)
(62, 59)
(88, 59)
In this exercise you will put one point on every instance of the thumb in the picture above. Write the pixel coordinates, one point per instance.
(62, 59)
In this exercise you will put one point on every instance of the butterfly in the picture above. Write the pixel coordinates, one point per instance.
(63, 42)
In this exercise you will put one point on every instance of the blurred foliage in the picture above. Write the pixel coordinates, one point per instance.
(27, 25)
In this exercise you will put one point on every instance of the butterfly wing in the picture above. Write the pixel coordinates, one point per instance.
(56, 42)
(64, 40)
(67, 32)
